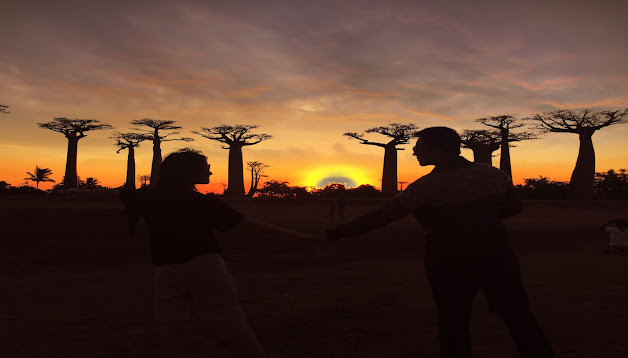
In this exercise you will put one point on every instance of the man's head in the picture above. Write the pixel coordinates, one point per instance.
(436, 144)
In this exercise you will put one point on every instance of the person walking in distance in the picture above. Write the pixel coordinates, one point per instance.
(460, 206)
(189, 269)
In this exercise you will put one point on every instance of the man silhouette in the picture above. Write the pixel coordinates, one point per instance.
(460, 206)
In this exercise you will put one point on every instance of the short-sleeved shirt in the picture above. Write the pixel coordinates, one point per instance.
(465, 204)
(180, 226)
(619, 237)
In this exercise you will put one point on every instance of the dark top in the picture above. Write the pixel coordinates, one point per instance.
(461, 208)
(180, 225)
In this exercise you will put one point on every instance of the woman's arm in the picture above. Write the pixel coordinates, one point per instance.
(248, 226)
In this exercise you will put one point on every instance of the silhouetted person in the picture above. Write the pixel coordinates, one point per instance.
(131, 219)
(331, 210)
(341, 203)
(460, 206)
(189, 268)
(618, 241)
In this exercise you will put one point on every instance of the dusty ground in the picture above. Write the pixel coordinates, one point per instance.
(74, 285)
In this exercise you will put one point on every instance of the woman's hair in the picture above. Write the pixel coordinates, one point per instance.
(443, 138)
(622, 224)
(180, 170)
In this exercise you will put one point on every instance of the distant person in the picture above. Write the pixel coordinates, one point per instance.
(460, 206)
(189, 268)
(331, 210)
(618, 242)
(341, 204)
(131, 219)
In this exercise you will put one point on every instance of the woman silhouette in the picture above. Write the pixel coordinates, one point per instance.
(189, 269)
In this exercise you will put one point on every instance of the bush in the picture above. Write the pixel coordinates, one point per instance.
(543, 188)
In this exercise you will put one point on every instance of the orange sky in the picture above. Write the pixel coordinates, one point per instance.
(306, 73)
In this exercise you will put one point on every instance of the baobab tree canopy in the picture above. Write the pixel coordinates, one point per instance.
(74, 130)
(484, 142)
(74, 127)
(235, 137)
(584, 123)
(238, 134)
(156, 135)
(400, 134)
(504, 123)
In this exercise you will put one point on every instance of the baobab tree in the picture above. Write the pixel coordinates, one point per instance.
(156, 135)
(129, 141)
(40, 174)
(484, 142)
(4, 109)
(400, 134)
(235, 137)
(504, 123)
(73, 130)
(144, 179)
(583, 123)
(256, 169)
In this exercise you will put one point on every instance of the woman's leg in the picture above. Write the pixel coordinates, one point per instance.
(243, 340)
(171, 339)
(216, 296)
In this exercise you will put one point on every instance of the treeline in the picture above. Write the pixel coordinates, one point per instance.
(611, 185)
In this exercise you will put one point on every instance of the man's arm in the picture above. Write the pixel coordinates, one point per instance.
(512, 204)
(374, 219)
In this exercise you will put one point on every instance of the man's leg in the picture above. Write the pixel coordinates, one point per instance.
(507, 296)
(454, 294)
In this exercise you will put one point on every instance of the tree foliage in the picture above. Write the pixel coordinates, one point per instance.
(543, 188)
(256, 168)
(230, 135)
(4, 109)
(570, 121)
(129, 140)
(611, 184)
(400, 134)
(74, 128)
(156, 129)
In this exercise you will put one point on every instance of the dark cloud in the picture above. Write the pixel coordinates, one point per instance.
(348, 182)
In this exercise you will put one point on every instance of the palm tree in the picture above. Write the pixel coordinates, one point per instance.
(41, 174)
(91, 183)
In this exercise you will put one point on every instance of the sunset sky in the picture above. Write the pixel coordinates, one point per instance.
(305, 72)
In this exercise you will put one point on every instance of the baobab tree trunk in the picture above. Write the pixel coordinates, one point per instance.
(482, 155)
(581, 184)
(130, 169)
(389, 174)
(253, 188)
(504, 160)
(70, 179)
(235, 184)
(154, 172)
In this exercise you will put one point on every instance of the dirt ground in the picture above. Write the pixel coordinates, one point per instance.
(74, 285)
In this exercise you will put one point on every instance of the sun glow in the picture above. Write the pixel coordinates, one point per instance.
(348, 175)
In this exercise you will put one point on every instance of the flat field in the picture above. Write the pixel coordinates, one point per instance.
(74, 285)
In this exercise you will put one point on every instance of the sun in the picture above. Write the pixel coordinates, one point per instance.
(350, 176)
